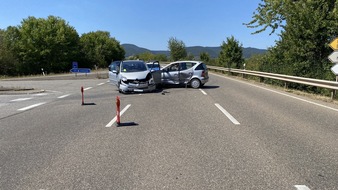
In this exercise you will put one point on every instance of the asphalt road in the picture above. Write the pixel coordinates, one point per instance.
(228, 135)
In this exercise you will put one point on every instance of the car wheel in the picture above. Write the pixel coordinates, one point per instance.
(195, 83)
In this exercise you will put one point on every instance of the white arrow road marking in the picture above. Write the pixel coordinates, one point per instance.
(114, 119)
(64, 96)
(88, 88)
(232, 119)
(302, 187)
(20, 99)
(32, 106)
(203, 92)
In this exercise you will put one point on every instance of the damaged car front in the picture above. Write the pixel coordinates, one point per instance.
(133, 76)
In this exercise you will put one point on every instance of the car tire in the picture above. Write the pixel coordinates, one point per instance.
(195, 83)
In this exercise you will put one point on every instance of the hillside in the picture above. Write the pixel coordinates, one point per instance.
(194, 50)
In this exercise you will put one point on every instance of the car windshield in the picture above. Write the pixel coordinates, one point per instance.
(153, 65)
(134, 66)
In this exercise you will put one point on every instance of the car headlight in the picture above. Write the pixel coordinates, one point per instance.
(124, 79)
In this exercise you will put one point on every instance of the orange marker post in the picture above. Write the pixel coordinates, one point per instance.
(82, 95)
(118, 111)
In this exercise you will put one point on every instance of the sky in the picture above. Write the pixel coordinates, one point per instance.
(149, 23)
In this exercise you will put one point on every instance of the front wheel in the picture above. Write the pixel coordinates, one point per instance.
(195, 83)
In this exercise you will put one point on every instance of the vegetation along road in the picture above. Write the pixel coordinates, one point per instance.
(229, 134)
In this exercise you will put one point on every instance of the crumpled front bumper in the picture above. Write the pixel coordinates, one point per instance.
(137, 87)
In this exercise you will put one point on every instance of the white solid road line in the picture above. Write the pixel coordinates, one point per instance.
(114, 119)
(203, 92)
(302, 187)
(232, 119)
(307, 101)
(20, 99)
(100, 84)
(88, 88)
(64, 96)
(32, 106)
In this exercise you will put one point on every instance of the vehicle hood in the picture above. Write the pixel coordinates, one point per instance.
(135, 75)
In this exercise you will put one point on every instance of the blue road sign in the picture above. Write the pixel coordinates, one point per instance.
(80, 70)
(75, 65)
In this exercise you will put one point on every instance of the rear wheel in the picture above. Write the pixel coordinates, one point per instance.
(195, 83)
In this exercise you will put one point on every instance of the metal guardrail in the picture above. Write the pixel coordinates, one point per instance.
(332, 85)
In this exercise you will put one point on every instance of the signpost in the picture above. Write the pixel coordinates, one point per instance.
(76, 69)
(333, 57)
(334, 44)
(80, 70)
(334, 69)
(75, 65)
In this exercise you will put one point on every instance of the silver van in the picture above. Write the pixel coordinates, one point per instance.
(133, 76)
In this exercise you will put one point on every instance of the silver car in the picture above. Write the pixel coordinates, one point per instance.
(132, 76)
(193, 73)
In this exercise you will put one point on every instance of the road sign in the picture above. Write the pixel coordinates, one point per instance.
(75, 65)
(334, 69)
(80, 70)
(334, 57)
(334, 44)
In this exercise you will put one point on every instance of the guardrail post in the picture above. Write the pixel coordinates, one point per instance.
(285, 85)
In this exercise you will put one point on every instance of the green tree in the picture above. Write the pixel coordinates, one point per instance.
(161, 57)
(190, 56)
(8, 61)
(231, 54)
(146, 56)
(45, 43)
(98, 48)
(204, 56)
(177, 49)
(307, 26)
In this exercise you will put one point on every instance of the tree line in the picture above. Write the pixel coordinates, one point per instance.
(306, 29)
(52, 45)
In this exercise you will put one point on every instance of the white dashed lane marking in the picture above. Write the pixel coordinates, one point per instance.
(31, 107)
(203, 92)
(114, 119)
(232, 119)
(302, 187)
(66, 95)
(20, 99)
(88, 88)
(100, 84)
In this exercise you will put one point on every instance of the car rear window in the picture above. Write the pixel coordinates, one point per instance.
(201, 66)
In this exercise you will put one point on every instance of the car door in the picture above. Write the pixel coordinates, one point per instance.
(113, 72)
(155, 70)
(185, 72)
(170, 75)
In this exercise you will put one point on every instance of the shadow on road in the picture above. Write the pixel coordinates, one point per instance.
(127, 124)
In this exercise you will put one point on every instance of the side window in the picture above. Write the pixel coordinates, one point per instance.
(186, 65)
(200, 67)
(113, 67)
(174, 67)
(157, 66)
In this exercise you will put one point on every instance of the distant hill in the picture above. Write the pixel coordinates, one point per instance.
(132, 49)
